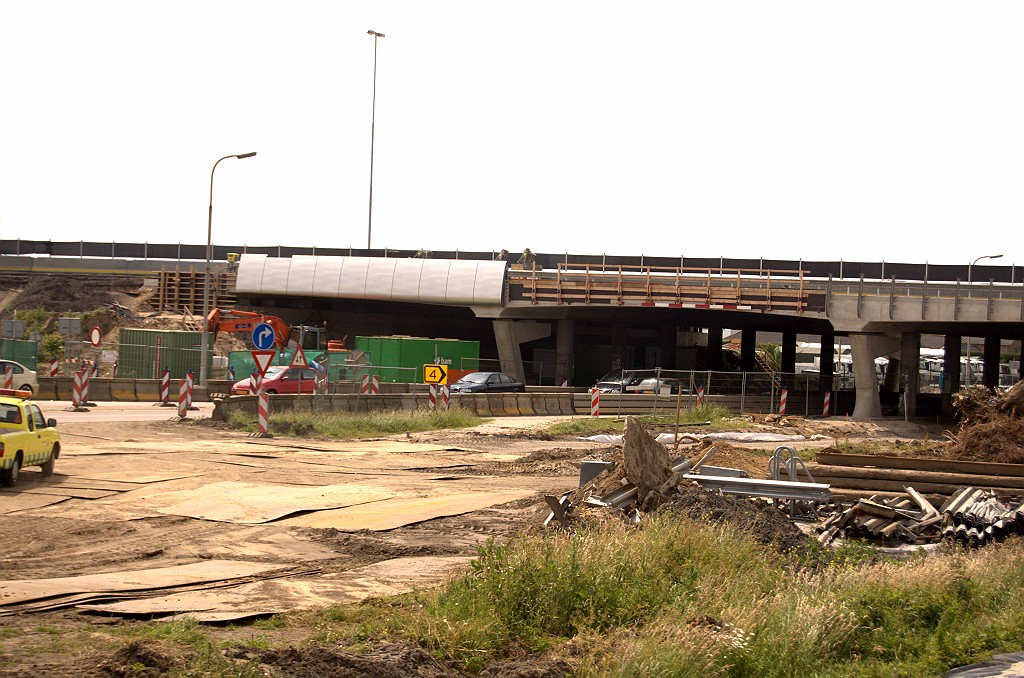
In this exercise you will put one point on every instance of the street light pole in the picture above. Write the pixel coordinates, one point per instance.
(204, 351)
(987, 256)
(373, 120)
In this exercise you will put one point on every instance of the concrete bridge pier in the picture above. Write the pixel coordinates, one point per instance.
(865, 348)
(910, 359)
(508, 335)
(564, 338)
(990, 363)
(714, 349)
(748, 350)
(950, 371)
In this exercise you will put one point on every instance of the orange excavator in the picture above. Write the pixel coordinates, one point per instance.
(245, 321)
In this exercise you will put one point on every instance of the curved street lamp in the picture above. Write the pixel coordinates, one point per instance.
(373, 120)
(987, 256)
(204, 351)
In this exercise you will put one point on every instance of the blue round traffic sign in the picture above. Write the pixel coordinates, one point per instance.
(263, 336)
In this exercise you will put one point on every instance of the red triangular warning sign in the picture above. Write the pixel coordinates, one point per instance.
(299, 359)
(263, 360)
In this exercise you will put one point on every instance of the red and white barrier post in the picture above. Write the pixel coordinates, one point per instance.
(826, 409)
(374, 385)
(54, 365)
(189, 383)
(446, 396)
(595, 403)
(700, 396)
(85, 384)
(76, 391)
(183, 399)
(254, 383)
(365, 386)
(782, 402)
(8, 377)
(263, 413)
(432, 396)
(165, 387)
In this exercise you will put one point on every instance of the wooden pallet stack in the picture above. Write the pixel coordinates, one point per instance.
(179, 289)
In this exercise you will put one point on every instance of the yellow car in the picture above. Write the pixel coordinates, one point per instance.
(26, 437)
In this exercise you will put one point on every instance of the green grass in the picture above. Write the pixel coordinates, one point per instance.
(362, 425)
(671, 597)
(719, 417)
(683, 598)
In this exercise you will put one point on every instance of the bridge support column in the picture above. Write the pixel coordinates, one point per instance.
(950, 371)
(787, 361)
(714, 351)
(748, 350)
(508, 335)
(868, 405)
(910, 360)
(826, 360)
(564, 338)
(990, 364)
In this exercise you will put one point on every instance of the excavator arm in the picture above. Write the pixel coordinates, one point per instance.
(245, 321)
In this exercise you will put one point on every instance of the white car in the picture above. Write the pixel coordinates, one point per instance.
(24, 379)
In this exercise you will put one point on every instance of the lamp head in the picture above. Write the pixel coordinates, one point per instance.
(375, 34)
(245, 155)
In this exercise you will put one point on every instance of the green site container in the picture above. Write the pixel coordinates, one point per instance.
(337, 366)
(20, 351)
(401, 359)
(143, 354)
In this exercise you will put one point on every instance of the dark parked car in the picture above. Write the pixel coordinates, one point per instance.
(487, 382)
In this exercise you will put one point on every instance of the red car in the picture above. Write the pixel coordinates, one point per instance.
(281, 379)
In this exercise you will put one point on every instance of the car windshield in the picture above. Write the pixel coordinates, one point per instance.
(614, 377)
(274, 371)
(474, 378)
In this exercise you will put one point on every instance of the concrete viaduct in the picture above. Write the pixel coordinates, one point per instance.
(582, 314)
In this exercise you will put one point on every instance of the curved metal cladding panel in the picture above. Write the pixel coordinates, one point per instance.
(425, 281)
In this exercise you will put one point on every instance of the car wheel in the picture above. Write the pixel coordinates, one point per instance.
(28, 388)
(271, 392)
(47, 466)
(9, 476)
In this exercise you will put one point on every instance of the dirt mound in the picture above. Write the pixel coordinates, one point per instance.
(991, 425)
(391, 660)
(137, 659)
(766, 523)
(61, 294)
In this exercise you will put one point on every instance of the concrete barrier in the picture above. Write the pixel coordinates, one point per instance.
(524, 403)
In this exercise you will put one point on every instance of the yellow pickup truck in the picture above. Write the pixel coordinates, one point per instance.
(26, 437)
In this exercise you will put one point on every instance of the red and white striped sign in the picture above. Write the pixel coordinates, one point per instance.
(595, 403)
(165, 386)
(432, 396)
(76, 391)
(85, 384)
(700, 396)
(54, 364)
(371, 385)
(565, 382)
(254, 383)
(827, 408)
(446, 396)
(263, 413)
(183, 399)
(782, 401)
(8, 377)
(189, 383)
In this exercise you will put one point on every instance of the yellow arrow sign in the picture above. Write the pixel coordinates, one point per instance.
(435, 374)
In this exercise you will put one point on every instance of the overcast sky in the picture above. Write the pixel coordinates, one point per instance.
(816, 130)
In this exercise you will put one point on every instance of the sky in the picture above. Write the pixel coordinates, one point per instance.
(817, 130)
